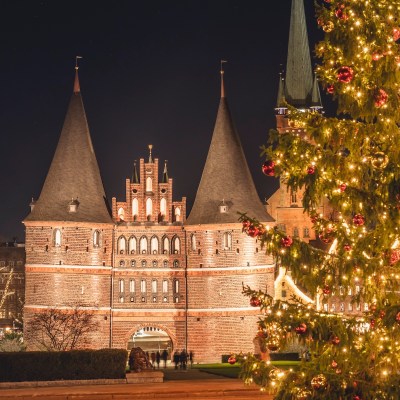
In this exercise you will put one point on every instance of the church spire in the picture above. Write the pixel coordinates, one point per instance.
(150, 155)
(165, 173)
(226, 178)
(135, 176)
(73, 173)
(299, 79)
(316, 102)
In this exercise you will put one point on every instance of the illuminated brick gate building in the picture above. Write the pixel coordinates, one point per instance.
(141, 267)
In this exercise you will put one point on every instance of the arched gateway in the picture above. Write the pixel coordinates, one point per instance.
(151, 339)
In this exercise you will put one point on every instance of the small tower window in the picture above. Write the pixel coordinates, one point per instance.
(149, 184)
(96, 238)
(176, 263)
(57, 237)
(121, 214)
(132, 245)
(176, 286)
(154, 245)
(193, 242)
(223, 207)
(165, 286)
(177, 214)
(306, 232)
(143, 245)
(132, 286)
(165, 245)
(121, 245)
(135, 208)
(154, 286)
(295, 232)
(163, 207)
(143, 286)
(149, 208)
(73, 206)
(293, 197)
(227, 241)
(121, 286)
(176, 245)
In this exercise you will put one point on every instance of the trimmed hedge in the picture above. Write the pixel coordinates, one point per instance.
(63, 365)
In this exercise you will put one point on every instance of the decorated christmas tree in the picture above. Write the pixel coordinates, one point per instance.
(352, 162)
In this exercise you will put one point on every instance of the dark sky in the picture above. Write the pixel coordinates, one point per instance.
(149, 74)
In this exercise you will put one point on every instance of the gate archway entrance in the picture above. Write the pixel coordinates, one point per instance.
(151, 339)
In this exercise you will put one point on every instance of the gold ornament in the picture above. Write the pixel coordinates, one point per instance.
(318, 382)
(302, 394)
(379, 160)
(328, 27)
(273, 343)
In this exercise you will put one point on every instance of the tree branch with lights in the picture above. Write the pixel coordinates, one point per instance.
(352, 162)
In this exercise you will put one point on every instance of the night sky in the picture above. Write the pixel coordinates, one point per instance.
(149, 74)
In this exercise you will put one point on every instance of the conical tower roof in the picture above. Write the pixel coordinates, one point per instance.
(226, 178)
(299, 79)
(73, 174)
(280, 100)
(316, 95)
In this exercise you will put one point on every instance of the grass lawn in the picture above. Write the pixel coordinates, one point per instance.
(232, 371)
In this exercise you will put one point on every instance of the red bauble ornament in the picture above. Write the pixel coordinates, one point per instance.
(381, 98)
(327, 235)
(372, 323)
(301, 329)
(347, 247)
(342, 187)
(394, 256)
(355, 397)
(255, 302)
(335, 340)
(246, 224)
(272, 347)
(396, 34)
(376, 56)
(334, 364)
(253, 231)
(382, 314)
(232, 360)
(358, 220)
(268, 168)
(330, 89)
(340, 13)
(326, 290)
(398, 317)
(372, 307)
(311, 170)
(345, 74)
(286, 241)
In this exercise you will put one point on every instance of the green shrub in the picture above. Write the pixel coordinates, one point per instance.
(63, 365)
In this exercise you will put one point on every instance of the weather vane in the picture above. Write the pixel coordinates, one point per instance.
(222, 65)
(76, 61)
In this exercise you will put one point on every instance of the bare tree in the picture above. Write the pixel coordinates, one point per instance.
(62, 329)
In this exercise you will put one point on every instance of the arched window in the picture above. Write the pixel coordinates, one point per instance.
(227, 241)
(121, 246)
(143, 286)
(149, 184)
(306, 233)
(149, 208)
(135, 208)
(176, 286)
(143, 245)
(193, 242)
(295, 232)
(132, 286)
(177, 214)
(57, 237)
(154, 286)
(154, 245)
(121, 286)
(176, 245)
(165, 286)
(121, 214)
(96, 238)
(165, 245)
(163, 206)
(132, 245)
(293, 197)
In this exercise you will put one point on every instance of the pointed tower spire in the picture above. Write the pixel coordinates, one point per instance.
(299, 79)
(280, 101)
(226, 177)
(316, 102)
(135, 176)
(165, 173)
(74, 173)
(77, 88)
(222, 78)
(150, 155)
